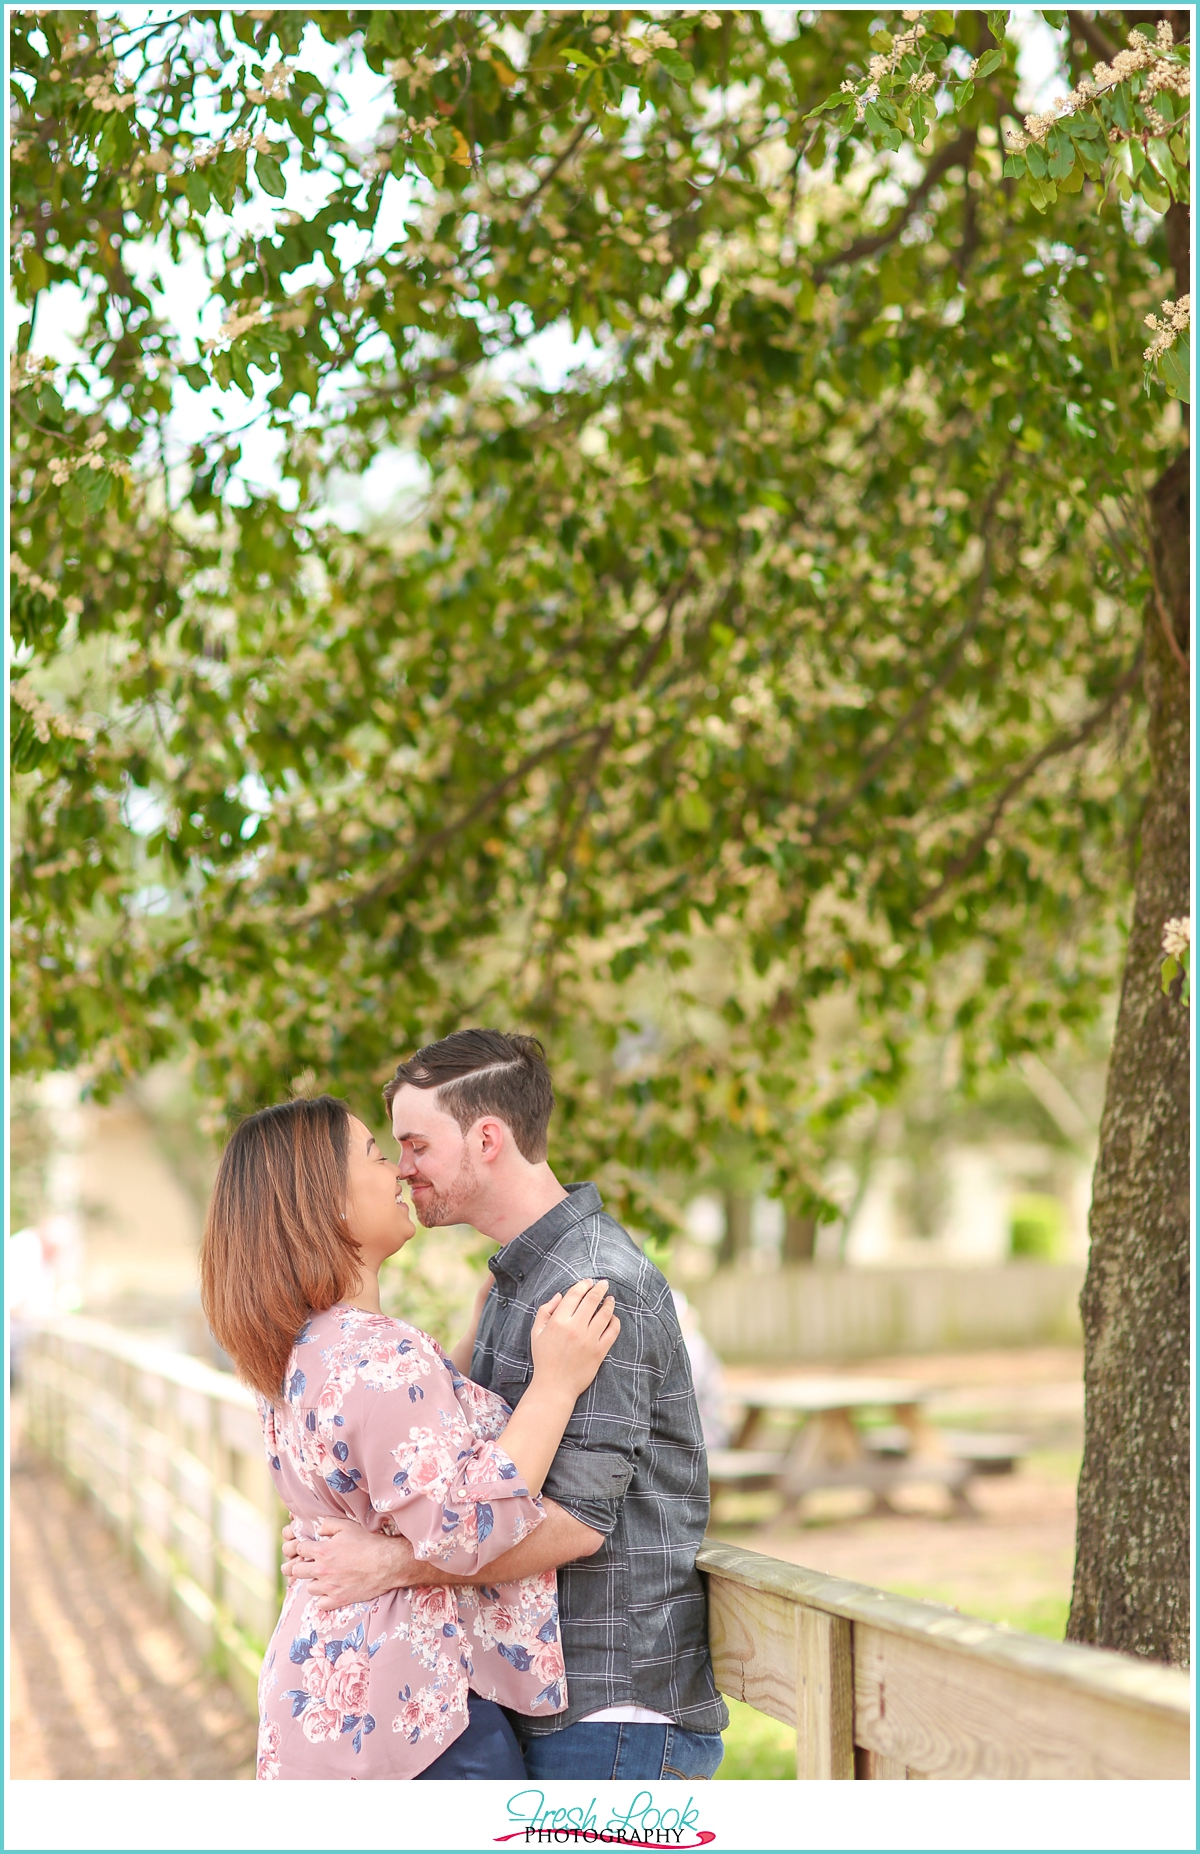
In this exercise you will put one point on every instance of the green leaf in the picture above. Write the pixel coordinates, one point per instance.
(678, 67)
(1062, 160)
(1014, 166)
(836, 101)
(36, 274)
(1162, 158)
(195, 376)
(1169, 971)
(879, 125)
(1035, 161)
(998, 25)
(1155, 196)
(695, 812)
(197, 189)
(990, 62)
(269, 175)
(963, 93)
(1175, 369)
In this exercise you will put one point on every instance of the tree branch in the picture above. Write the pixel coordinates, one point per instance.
(531, 199)
(1093, 36)
(425, 847)
(824, 817)
(959, 150)
(1060, 744)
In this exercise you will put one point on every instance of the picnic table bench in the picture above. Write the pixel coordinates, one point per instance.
(828, 1445)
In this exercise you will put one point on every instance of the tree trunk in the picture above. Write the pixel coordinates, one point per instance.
(799, 1238)
(1132, 1549)
(735, 1243)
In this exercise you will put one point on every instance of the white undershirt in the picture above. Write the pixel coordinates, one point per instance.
(627, 1715)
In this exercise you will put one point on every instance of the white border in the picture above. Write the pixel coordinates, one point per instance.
(760, 1816)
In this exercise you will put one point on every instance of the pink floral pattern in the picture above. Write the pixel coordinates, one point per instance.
(378, 1426)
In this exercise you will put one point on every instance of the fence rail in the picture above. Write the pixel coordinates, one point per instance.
(877, 1686)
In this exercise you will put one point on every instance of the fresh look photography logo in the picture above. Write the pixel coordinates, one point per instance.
(643, 1823)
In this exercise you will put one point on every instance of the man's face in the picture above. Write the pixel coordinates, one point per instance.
(434, 1158)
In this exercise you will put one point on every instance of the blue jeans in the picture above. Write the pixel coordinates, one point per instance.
(487, 1750)
(613, 1749)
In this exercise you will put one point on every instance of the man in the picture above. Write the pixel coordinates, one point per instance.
(629, 1484)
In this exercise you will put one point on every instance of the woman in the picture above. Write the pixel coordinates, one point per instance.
(365, 1418)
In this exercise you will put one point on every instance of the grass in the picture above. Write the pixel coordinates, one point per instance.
(756, 1747)
(1044, 1615)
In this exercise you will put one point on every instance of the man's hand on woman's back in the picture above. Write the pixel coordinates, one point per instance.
(348, 1565)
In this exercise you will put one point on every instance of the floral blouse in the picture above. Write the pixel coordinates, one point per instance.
(379, 1427)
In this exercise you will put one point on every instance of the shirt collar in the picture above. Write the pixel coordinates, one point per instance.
(520, 1256)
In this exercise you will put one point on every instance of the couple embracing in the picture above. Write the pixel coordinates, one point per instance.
(491, 1561)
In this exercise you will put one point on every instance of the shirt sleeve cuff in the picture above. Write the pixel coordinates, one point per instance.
(600, 1515)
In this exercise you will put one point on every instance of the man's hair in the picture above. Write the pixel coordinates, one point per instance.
(478, 1072)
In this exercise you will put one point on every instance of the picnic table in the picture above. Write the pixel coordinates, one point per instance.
(827, 1445)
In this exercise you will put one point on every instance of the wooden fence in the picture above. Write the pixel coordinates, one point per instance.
(812, 1311)
(171, 1452)
(877, 1686)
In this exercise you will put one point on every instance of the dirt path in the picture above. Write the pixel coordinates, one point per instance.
(102, 1683)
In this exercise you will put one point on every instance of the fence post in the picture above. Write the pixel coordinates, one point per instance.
(824, 1696)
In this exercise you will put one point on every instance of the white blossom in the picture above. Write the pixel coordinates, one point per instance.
(883, 64)
(1161, 74)
(236, 323)
(153, 161)
(29, 369)
(274, 84)
(90, 458)
(27, 577)
(103, 96)
(1176, 320)
(45, 719)
(1177, 937)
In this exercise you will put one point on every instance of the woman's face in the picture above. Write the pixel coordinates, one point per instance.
(376, 1215)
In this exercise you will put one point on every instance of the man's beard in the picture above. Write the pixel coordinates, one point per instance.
(438, 1208)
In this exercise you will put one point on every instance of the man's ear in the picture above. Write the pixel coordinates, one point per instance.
(492, 1136)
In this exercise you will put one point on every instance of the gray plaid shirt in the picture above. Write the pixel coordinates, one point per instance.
(631, 1465)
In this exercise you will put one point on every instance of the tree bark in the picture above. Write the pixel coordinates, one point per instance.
(1132, 1549)
(735, 1243)
(799, 1238)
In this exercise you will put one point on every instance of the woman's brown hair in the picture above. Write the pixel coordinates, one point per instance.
(276, 1247)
